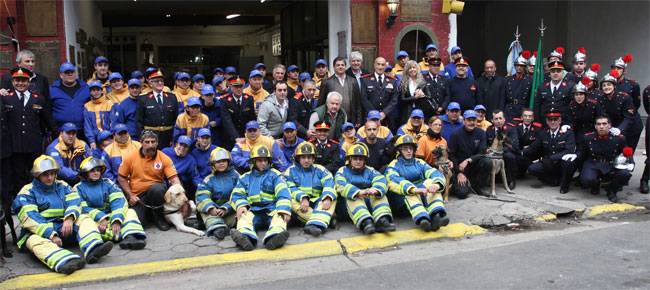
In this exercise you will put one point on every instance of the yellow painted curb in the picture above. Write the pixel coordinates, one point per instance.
(615, 207)
(546, 217)
(360, 243)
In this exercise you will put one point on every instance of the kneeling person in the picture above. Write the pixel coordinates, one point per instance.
(105, 203)
(364, 188)
(313, 198)
(262, 200)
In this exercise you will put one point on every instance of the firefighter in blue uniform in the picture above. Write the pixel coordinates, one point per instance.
(125, 113)
(313, 198)
(237, 109)
(554, 93)
(600, 152)
(211, 108)
(619, 106)
(157, 110)
(511, 149)
(625, 85)
(364, 190)
(527, 131)
(517, 90)
(555, 150)
(379, 92)
(201, 152)
(327, 150)
(437, 84)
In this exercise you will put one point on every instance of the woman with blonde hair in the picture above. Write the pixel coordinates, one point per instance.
(414, 94)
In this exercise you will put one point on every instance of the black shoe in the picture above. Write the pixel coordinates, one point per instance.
(277, 241)
(644, 186)
(595, 190)
(556, 182)
(436, 221)
(131, 243)
(241, 240)
(98, 252)
(564, 189)
(162, 224)
(384, 225)
(482, 192)
(512, 185)
(312, 230)
(611, 196)
(444, 221)
(72, 265)
(333, 222)
(425, 225)
(220, 233)
(367, 227)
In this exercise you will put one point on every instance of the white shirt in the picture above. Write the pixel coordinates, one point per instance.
(379, 77)
(341, 80)
(554, 134)
(412, 87)
(554, 87)
(283, 108)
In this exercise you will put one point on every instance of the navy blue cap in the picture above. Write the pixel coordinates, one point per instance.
(231, 70)
(258, 65)
(103, 135)
(374, 114)
(346, 126)
(455, 49)
(115, 75)
(417, 113)
(67, 127)
(135, 82)
(184, 140)
(480, 107)
(252, 125)
(66, 66)
(207, 89)
(204, 132)
(402, 53)
(136, 74)
(293, 67)
(321, 61)
(255, 73)
(453, 106)
(289, 125)
(430, 46)
(470, 114)
(197, 77)
(194, 101)
(217, 80)
(389, 67)
(182, 75)
(217, 70)
(119, 128)
(101, 59)
(304, 76)
(95, 84)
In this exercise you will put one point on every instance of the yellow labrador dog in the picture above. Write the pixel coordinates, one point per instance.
(175, 199)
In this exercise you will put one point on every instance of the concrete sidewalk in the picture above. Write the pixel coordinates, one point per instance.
(533, 202)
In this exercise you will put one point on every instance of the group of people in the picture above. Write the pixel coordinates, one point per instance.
(309, 148)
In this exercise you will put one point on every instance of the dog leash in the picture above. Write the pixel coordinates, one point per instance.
(158, 207)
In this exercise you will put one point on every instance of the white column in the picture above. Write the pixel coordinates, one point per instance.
(453, 32)
(339, 20)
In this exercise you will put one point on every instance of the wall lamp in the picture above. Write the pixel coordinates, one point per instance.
(393, 5)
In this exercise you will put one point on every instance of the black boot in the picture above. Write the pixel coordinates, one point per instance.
(220, 233)
(611, 196)
(277, 241)
(644, 186)
(595, 190)
(132, 243)
(385, 225)
(436, 222)
(313, 230)
(98, 252)
(72, 265)
(160, 221)
(241, 240)
(425, 225)
(367, 227)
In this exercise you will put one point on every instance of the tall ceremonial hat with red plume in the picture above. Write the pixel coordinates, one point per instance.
(592, 72)
(623, 61)
(581, 55)
(558, 52)
(532, 59)
(611, 77)
(523, 58)
(581, 87)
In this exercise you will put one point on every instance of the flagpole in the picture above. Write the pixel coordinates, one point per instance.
(538, 76)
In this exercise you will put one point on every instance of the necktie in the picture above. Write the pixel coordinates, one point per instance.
(381, 79)
(525, 130)
(552, 90)
(553, 136)
(238, 102)
(159, 100)
(21, 98)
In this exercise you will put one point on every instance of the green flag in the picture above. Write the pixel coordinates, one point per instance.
(538, 76)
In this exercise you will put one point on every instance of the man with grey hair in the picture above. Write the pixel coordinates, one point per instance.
(301, 107)
(37, 83)
(333, 113)
(348, 88)
(279, 72)
(355, 70)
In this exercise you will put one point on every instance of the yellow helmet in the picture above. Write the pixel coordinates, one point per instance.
(44, 163)
(405, 139)
(91, 163)
(357, 149)
(259, 151)
(219, 154)
(304, 148)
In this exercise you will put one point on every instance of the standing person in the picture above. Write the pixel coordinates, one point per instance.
(99, 114)
(438, 86)
(579, 65)
(293, 77)
(69, 95)
(274, 111)
(321, 72)
(157, 111)
(37, 83)
(355, 70)
(431, 52)
(211, 108)
(492, 87)
(101, 74)
(126, 110)
(400, 64)
(644, 188)
(191, 121)
(348, 87)
(517, 89)
(262, 68)
(119, 91)
(237, 109)
(450, 69)
(414, 94)
(463, 89)
(122, 145)
(183, 91)
(379, 92)
(255, 89)
(481, 120)
(625, 85)
(198, 80)
(301, 107)
(68, 151)
(620, 108)
(554, 93)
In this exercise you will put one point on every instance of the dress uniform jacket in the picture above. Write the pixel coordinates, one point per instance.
(234, 117)
(38, 83)
(26, 124)
(621, 110)
(149, 115)
(525, 139)
(546, 147)
(517, 95)
(300, 109)
(438, 87)
(582, 117)
(328, 154)
(630, 87)
(600, 151)
(379, 96)
(559, 99)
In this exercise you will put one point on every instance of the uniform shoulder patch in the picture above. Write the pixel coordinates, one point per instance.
(297, 96)
(592, 101)
(334, 141)
(225, 95)
(590, 133)
(366, 75)
(311, 140)
(537, 124)
(391, 77)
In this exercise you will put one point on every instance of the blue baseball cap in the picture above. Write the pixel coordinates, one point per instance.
(136, 74)
(231, 70)
(66, 66)
(217, 70)
(455, 49)
(374, 114)
(289, 125)
(204, 132)
(402, 53)
(182, 75)
(469, 114)
(119, 128)
(114, 75)
(430, 46)
(207, 89)
(417, 113)
(293, 67)
(194, 101)
(197, 77)
(95, 84)
(67, 127)
(101, 59)
(184, 140)
(217, 80)
(389, 67)
(252, 125)
(321, 61)
(480, 107)
(304, 76)
(346, 126)
(103, 135)
(258, 65)
(134, 82)
(453, 106)
(255, 73)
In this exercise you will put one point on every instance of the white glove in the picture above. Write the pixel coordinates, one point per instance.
(615, 131)
(564, 128)
(569, 157)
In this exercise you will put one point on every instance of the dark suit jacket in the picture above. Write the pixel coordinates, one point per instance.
(350, 73)
(328, 85)
(39, 84)
(493, 91)
(26, 124)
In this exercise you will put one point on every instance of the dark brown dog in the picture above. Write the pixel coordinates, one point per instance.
(443, 165)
